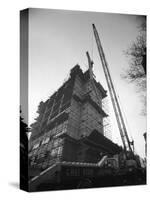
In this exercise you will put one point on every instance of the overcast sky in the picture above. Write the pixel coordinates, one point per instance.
(58, 40)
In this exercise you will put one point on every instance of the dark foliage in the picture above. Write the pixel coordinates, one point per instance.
(23, 155)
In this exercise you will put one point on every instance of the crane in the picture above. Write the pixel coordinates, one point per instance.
(117, 110)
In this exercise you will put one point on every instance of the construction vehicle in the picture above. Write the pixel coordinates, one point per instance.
(119, 117)
(127, 144)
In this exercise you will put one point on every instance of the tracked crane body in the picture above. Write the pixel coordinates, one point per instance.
(117, 110)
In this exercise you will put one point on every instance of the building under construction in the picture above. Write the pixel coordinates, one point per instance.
(68, 145)
(70, 124)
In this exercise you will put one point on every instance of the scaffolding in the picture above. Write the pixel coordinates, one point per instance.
(83, 115)
(107, 121)
(90, 118)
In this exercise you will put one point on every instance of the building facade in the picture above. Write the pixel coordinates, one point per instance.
(70, 124)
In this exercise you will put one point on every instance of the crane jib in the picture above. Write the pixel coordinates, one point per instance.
(117, 110)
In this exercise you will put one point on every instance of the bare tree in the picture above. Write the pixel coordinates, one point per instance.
(136, 53)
